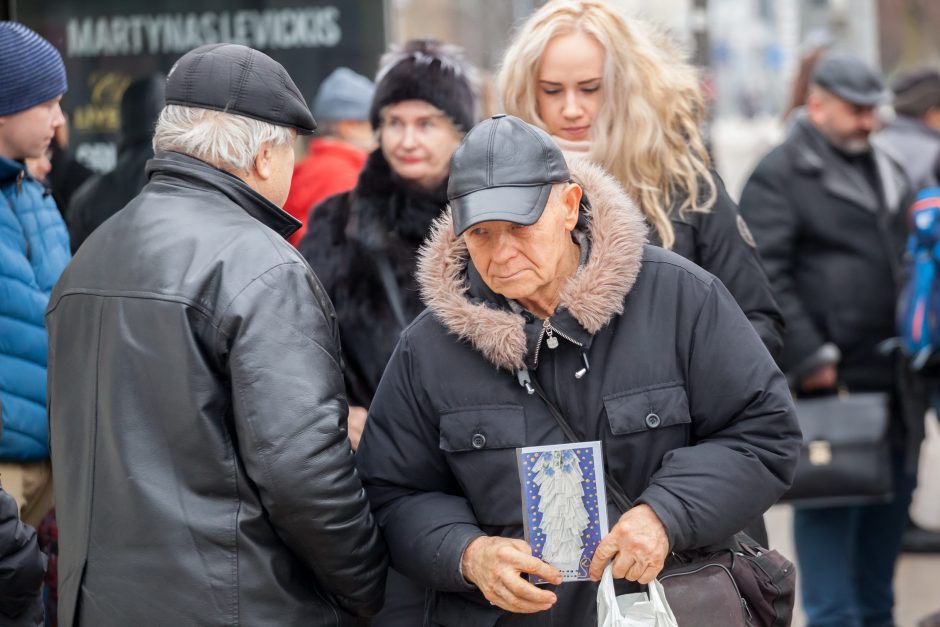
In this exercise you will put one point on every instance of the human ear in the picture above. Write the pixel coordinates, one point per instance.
(931, 118)
(571, 199)
(262, 163)
(816, 106)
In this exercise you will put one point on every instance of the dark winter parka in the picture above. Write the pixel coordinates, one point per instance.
(350, 237)
(197, 416)
(719, 241)
(673, 363)
(22, 566)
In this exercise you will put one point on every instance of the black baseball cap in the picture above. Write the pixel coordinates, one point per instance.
(849, 78)
(503, 169)
(238, 79)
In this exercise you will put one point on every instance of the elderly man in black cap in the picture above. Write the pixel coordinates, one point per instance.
(826, 211)
(196, 402)
(535, 296)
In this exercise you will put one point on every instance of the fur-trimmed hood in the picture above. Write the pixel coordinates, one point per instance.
(617, 232)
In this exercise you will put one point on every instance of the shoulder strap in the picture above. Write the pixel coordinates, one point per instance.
(617, 493)
(390, 286)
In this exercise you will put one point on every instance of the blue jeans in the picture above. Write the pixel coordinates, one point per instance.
(847, 555)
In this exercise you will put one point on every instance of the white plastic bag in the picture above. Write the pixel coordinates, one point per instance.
(632, 610)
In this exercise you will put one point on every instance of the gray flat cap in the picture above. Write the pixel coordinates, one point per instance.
(503, 169)
(238, 79)
(916, 92)
(850, 79)
(344, 95)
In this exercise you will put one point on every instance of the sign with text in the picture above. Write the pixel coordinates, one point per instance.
(107, 44)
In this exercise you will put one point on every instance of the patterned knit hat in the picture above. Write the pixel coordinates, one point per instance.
(31, 69)
(426, 69)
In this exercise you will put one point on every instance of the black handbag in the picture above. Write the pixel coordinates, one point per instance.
(735, 584)
(846, 456)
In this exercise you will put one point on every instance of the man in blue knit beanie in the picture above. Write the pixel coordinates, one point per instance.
(34, 249)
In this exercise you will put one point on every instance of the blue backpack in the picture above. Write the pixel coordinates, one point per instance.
(919, 305)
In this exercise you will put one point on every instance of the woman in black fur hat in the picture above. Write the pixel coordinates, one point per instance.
(362, 244)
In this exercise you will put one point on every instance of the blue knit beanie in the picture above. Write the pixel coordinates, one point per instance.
(31, 69)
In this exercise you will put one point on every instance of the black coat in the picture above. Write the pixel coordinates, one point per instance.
(22, 566)
(719, 241)
(662, 336)
(381, 221)
(832, 249)
(102, 196)
(197, 419)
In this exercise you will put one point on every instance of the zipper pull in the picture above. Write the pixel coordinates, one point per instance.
(587, 367)
(551, 341)
(19, 182)
(525, 381)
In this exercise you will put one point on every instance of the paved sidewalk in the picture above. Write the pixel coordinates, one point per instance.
(917, 584)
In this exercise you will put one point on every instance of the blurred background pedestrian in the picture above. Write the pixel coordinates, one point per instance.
(336, 154)
(103, 195)
(827, 208)
(912, 138)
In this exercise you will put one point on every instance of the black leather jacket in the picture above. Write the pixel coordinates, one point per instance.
(198, 421)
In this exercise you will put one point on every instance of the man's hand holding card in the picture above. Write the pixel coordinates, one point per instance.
(495, 566)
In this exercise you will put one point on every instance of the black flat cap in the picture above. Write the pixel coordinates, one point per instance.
(503, 169)
(242, 80)
(850, 79)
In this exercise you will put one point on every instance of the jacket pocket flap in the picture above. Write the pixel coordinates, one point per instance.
(484, 427)
(664, 405)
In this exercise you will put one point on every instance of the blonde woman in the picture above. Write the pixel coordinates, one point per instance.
(620, 91)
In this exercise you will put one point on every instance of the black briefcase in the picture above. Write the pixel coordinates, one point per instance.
(846, 456)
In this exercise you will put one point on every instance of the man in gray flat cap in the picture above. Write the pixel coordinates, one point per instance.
(913, 136)
(826, 212)
(196, 401)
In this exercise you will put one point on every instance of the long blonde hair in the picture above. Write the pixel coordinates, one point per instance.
(646, 132)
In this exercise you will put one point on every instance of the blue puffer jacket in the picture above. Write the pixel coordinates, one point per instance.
(34, 249)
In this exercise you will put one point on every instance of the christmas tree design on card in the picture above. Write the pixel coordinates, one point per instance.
(564, 505)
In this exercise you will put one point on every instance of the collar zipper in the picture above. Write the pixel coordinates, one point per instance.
(549, 329)
(549, 332)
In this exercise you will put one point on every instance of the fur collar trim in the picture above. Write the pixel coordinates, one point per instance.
(618, 232)
(385, 212)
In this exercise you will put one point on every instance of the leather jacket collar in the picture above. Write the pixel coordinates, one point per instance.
(174, 165)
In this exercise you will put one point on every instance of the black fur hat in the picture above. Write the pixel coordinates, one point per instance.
(426, 69)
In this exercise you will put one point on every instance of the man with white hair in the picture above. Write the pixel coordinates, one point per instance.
(196, 401)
